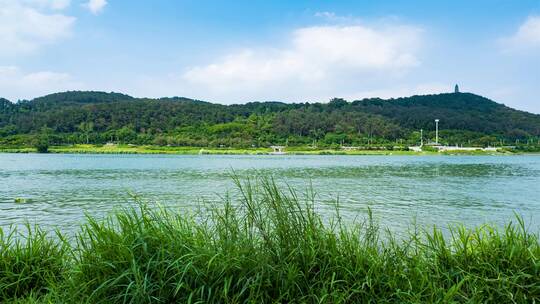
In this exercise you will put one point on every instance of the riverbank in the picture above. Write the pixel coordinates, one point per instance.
(268, 246)
(132, 149)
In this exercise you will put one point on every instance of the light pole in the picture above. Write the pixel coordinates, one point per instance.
(437, 131)
(421, 137)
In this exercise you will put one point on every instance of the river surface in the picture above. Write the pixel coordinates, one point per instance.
(58, 189)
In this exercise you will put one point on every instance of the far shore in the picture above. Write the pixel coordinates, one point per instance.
(149, 149)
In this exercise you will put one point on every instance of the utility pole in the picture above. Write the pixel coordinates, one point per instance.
(437, 131)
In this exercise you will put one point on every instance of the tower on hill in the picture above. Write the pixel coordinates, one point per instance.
(456, 89)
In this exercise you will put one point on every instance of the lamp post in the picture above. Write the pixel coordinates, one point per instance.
(437, 131)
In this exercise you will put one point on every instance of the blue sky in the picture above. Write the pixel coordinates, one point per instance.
(294, 51)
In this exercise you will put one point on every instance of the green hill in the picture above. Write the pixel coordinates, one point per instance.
(74, 117)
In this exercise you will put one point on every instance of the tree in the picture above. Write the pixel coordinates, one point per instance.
(41, 143)
(86, 128)
(336, 103)
(126, 134)
(81, 116)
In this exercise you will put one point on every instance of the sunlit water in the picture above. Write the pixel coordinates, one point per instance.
(59, 189)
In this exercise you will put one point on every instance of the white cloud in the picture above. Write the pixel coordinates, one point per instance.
(96, 6)
(329, 15)
(319, 62)
(50, 4)
(333, 18)
(18, 84)
(526, 37)
(24, 28)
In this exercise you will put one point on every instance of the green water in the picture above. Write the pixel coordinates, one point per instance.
(57, 189)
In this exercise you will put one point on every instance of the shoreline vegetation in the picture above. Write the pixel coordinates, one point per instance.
(300, 150)
(267, 245)
(178, 125)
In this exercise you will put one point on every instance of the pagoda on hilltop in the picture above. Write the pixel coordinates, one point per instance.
(456, 89)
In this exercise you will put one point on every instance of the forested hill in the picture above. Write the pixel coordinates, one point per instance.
(99, 117)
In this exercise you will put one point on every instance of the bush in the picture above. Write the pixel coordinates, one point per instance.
(429, 149)
(41, 143)
(42, 147)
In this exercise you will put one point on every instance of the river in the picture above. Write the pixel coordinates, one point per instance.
(56, 190)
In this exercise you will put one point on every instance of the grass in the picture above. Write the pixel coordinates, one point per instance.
(149, 149)
(17, 150)
(30, 263)
(268, 245)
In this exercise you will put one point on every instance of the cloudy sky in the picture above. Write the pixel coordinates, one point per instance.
(294, 51)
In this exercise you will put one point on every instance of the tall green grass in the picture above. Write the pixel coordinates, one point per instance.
(268, 246)
(31, 263)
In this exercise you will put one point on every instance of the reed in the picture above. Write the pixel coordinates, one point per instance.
(269, 245)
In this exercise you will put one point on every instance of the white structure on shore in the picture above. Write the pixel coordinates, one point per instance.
(458, 148)
(440, 148)
(278, 150)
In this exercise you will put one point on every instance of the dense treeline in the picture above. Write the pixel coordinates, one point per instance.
(98, 117)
